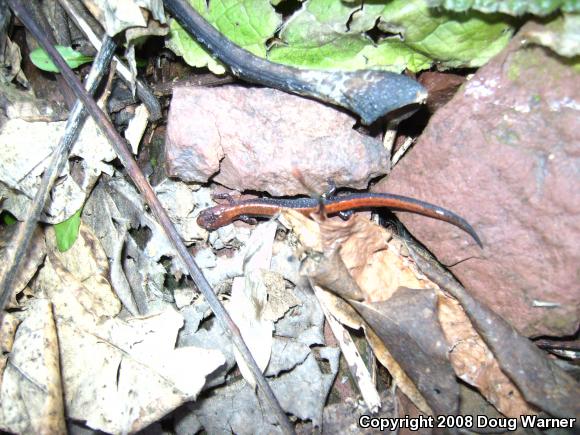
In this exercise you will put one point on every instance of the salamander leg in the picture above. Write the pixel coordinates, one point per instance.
(223, 195)
(345, 215)
(248, 219)
(331, 190)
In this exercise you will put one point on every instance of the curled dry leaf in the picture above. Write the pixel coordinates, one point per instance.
(116, 16)
(330, 272)
(407, 323)
(370, 252)
(31, 399)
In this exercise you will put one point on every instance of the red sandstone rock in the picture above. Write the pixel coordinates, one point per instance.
(505, 154)
(441, 87)
(257, 137)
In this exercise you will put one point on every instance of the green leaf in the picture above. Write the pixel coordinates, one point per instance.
(67, 231)
(8, 219)
(331, 34)
(452, 40)
(248, 23)
(73, 58)
(511, 7)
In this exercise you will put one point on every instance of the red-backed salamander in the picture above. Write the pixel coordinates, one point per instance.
(220, 215)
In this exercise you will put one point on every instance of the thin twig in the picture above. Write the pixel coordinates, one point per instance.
(402, 150)
(21, 240)
(126, 158)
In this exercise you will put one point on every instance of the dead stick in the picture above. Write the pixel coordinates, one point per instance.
(159, 212)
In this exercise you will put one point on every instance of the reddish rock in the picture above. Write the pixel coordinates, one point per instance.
(441, 87)
(257, 137)
(505, 154)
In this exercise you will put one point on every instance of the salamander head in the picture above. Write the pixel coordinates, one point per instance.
(212, 218)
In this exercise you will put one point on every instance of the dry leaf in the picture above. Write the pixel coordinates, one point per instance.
(347, 315)
(356, 365)
(474, 363)
(136, 128)
(85, 265)
(30, 262)
(26, 148)
(119, 376)
(246, 306)
(379, 264)
(31, 392)
(118, 15)
(407, 323)
(328, 271)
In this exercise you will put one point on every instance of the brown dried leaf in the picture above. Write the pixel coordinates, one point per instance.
(474, 362)
(407, 323)
(380, 265)
(329, 271)
(31, 390)
(86, 264)
(369, 251)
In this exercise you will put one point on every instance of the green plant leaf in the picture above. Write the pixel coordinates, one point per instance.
(73, 58)
(248, 23)
(511, 7)
(8, 219)
(450, 39)
(331, 34)
(67, 231)
(328, 34)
